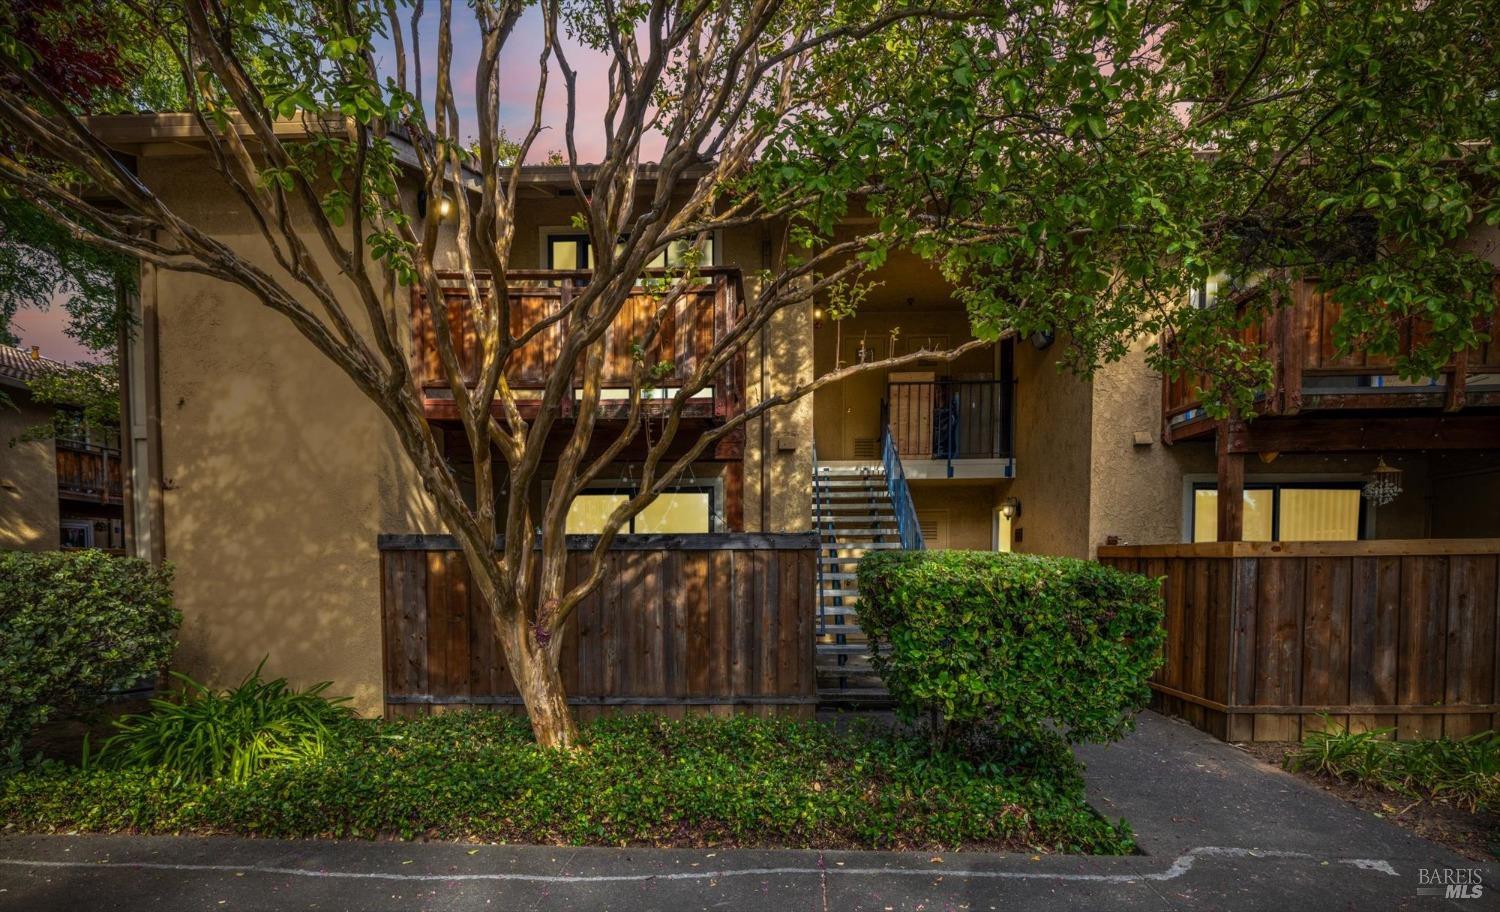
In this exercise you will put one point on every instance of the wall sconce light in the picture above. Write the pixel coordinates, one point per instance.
(444, 205)
(1010, 508)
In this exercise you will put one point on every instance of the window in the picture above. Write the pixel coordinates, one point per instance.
(567, 250)
(676, 255)
(76, 533)
(1286, 512)
(681, 510)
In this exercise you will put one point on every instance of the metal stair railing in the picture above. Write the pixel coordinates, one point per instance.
(818, 527)
(907, 526)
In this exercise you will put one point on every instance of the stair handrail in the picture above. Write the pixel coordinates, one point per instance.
(817, 494)
(895, 483)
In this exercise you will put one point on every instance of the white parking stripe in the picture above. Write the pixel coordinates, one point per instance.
(1178, 868)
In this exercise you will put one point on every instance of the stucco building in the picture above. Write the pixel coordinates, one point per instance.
(56, 491)
(279, 492)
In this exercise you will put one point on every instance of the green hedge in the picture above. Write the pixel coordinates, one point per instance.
(1019, 641)
(75, 625)
(636, 780)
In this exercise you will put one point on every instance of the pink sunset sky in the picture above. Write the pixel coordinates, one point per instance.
(519, 74)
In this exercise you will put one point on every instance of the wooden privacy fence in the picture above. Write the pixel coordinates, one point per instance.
(1262, 637)
(716, 623)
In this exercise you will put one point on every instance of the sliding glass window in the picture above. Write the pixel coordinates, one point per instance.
(1286, 512)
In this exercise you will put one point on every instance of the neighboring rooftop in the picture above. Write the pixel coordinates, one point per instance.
(19, 365)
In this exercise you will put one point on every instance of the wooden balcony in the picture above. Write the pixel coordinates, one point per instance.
(952, 428)
(88, 472)
(1311, 376)
(701, 317)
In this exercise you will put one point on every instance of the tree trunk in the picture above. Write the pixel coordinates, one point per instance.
(539, 682)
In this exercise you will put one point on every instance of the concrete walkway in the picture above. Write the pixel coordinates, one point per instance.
(1219, 829)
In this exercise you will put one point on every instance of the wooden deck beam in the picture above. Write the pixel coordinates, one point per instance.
(1334, 435)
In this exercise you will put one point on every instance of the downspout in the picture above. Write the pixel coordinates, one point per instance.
(765, 441)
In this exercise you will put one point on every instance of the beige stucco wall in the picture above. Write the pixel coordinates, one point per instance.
(278, 473)
(28, 478)
(963, 511)
(1053, 415)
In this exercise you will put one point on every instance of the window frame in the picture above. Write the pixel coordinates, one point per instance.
(1363, 522)
(585, 251)
(712, 489)
(547, 234)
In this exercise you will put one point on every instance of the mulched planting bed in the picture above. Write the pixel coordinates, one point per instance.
(1472, 834)
(639, 780)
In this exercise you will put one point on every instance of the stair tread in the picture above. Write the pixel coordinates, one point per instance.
(867, 546)
(846, 648)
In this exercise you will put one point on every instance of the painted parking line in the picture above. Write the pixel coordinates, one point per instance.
(1179, 867)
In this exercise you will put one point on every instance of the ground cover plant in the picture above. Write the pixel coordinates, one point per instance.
(1463, 771)
(636, 780)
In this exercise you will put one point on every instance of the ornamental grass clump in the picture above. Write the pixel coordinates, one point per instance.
(205, 735)
(1465, 771)
(1020, 643)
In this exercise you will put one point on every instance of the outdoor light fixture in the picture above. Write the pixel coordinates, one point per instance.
(1010, 508)
(444, 205)
(1383, 485)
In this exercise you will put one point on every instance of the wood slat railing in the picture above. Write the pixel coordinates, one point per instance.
(700, 318)
(89, 471)
(1265, 637)
(719, 624)
(1299, 341)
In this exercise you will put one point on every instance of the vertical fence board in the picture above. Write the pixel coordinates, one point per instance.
(1471, 641)
(1385, 634)
(1423, 643)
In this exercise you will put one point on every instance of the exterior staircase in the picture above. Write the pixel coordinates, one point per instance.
(853, 515)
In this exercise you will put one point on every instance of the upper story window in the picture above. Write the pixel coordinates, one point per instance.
(570, 250)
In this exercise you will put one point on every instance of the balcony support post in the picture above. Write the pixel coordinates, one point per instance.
(1231, 486)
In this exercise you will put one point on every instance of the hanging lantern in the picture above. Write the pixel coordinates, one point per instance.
(1383, 485)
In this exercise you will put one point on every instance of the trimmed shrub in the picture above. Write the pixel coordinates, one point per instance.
(1018, 641)
(204, 735)
(75, 625)
(635, 780)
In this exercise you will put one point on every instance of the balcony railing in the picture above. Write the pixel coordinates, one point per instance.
(89, 471)
(701, 317)
(950, 419)
(1309, 372)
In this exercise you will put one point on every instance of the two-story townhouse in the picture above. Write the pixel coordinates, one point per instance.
(299, 531)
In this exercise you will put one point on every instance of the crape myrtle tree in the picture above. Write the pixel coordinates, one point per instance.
(1069, 166)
